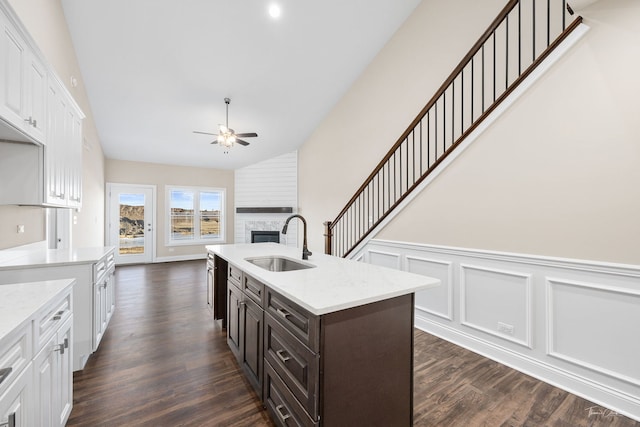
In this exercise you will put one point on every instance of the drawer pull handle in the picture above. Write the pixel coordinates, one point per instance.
(60, 348)
(282, 312)
(281, 356)
(4, 373)
(11, 421)
(282, 416)
(58, 315)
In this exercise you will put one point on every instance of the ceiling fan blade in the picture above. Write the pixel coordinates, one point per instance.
(247, 135)
(241, 142)
(215, 141)
(205, 133)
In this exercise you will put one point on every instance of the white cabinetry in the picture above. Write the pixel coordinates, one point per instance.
(23, 83)
(93, 294)
(38, 390)
(63, 152)
(35, 107)
(103, 298)
(53, 378)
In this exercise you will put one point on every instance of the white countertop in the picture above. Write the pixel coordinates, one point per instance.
(334, 284)
(18, 302)
(43, 257)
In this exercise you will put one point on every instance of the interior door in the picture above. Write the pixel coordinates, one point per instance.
(131, 225)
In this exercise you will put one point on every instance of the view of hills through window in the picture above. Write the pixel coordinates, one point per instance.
(131, 224)
(195, 214)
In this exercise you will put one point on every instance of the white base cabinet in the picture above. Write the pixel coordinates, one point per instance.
(38, 390)
(94, 295)
(15, 407)
(53, 379)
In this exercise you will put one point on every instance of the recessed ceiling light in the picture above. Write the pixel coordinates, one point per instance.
(274, 11)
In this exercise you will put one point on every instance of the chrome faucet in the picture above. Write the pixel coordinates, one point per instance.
(305, 251)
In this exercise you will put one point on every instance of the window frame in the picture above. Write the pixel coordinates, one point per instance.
(197, 240)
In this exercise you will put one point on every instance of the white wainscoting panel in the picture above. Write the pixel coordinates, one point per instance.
(571, 323)
(384, 259)
(439, 300)
(591, 325)
(496, 302)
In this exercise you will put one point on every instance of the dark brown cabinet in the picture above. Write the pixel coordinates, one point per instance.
(348, 367)
(245, 328)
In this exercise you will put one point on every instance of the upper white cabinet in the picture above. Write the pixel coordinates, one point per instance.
(35, 107)
(63, 152)
(23, 85)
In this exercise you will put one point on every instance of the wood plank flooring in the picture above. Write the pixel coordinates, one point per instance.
(163, 362)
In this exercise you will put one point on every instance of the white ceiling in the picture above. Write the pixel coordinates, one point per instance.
(155, 70)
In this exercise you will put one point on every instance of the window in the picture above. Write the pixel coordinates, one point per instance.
(196, 215)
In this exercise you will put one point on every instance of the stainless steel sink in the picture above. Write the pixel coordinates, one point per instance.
(278, 263)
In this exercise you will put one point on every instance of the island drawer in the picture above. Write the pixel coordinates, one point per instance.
(235, 275)
(254, 289)
(285, 410)
(294, 318)
(294, 362)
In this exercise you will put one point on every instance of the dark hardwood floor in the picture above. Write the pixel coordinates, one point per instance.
(163, 362)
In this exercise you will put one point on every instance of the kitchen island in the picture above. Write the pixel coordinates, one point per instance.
(329, 342)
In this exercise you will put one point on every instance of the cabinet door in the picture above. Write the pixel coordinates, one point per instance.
(73, 127)
(35, 102)
(54, 150)
(54, 379)
(63, 385)
(210, 285)
(45, 368)
(110, 296)
(12, 82)
(234, 296)
(16, 403)
(99, 312)
(251, 328)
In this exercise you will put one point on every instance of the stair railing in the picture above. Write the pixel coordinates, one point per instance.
(517, 41)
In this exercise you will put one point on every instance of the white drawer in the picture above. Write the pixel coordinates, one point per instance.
(49, 319)
(17, 355)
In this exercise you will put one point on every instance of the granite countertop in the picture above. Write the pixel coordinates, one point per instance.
(334, 284)
(43, 257)
(20, 301)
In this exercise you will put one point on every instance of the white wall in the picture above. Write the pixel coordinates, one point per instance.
(270, 183)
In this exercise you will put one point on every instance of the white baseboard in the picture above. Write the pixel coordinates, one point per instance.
(570, 323)
(180, 258)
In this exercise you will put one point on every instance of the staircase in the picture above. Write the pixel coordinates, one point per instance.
(516, 43)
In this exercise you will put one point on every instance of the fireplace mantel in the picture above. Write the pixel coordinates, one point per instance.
(264, 209)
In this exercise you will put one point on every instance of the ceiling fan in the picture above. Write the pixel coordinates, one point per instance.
(227, 137)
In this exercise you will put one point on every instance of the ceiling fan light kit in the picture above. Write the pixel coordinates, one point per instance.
(227, 137)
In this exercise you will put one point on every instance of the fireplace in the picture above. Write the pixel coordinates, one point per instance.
(259, 236)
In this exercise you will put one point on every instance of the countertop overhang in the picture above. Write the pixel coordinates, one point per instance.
(10, 259)
(334, 284)
(18, 302)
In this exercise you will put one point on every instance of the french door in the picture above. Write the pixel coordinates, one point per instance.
(131, 224)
